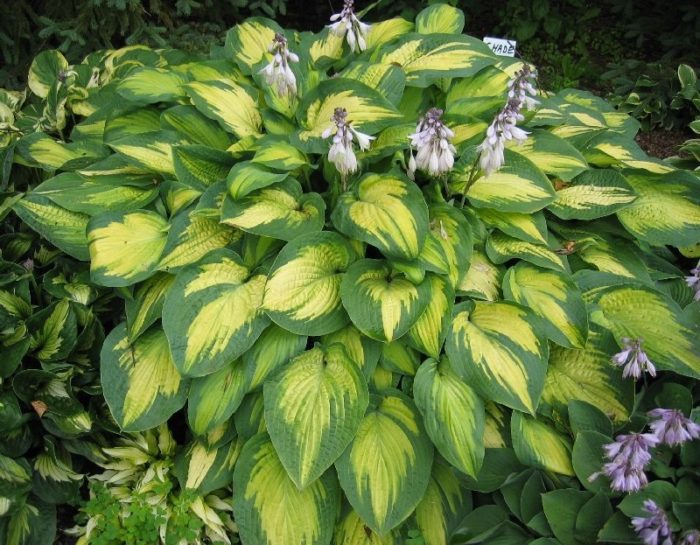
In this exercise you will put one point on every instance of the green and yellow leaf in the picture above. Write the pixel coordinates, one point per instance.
(501, 248)
(145, 388)
(440, 19)
(551, 154)
(146, 306)
(386, 211)
(537, 444)
(212, 314)
(313, 409)
(271, 510)
(428, 333)
(386, 469)
(453, 414)
(273, 350)
(593, 194)
(302, 294)
(498, 349)
(125, 247)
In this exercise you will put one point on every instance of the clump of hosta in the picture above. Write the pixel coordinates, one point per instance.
(521, 91)
(135, 499)
(347, 24)
(320, 339)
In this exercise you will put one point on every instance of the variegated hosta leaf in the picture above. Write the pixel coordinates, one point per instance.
(246, 177)
(368, 110)
(227, 102)
(667, 209)
(518, 186)
(440, 19)
(551, 154)
(399, 358)
(448, 246)
(388, 79)
(428, 334)
(351, 530)
(214, 398)
(62, 228)
(125, 247)
(146, 306)
(637, 311)
(537, 444)
(313, 409)
(94, 195)
(383, 32)
(278, 153)
(386, 469)
(302, 294)
(501, 248)
(498, 349)
(145, 388)
(554, 297)
(387, 211)
(45, 70)
(150, 85)
(280, 211)
(360, 348)
(152, 151)
(54, 331)
(270, 509)
(528, 227)
(192, 236)
(592, 194)
(199, 167)
(444, 504)
(453, 414)
(427, 58)
(131, 121)
(382, 303)
(212, 313)
(482, 280)
(488, 82)
(248, 43)
(588, 375)
(204, 469)
(187, 120)
(274, 348)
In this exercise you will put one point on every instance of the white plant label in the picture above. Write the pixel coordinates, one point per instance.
(500, 46)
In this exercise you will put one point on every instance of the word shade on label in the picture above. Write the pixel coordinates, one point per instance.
(500, 46)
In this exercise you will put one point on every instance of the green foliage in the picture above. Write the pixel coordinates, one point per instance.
(360, 345)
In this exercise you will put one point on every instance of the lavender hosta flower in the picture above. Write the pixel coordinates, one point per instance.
(277, 73)
(341, 153)
(628, 456)
(654, 529)
(346, 23)
(504, 126)
(672, 427)
(633, 359)
(435, 154)
(694, 281)
(690, 538)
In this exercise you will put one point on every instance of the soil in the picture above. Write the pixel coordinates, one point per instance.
(662, 143)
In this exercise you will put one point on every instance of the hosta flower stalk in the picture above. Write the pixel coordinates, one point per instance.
(628, 456)
(435, 153)
(672, 427)
(521, 91)
(277, 72)
(694, 281)
(341, 153)
(633, 360)
(346, 23)
(654, 529)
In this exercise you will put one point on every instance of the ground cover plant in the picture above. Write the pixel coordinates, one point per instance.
(365, 285)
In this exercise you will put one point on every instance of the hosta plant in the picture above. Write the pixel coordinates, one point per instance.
(372, 266)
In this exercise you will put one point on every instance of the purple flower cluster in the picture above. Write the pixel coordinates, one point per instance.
(628, 457)
(504, 126)
(672, 427)
(634, 360)
(654, 529)
(694, 281)
(629, 454)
